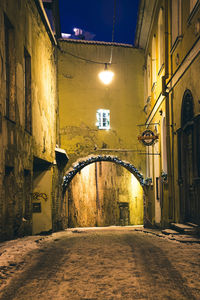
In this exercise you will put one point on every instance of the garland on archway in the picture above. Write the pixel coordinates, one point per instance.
(80, 165)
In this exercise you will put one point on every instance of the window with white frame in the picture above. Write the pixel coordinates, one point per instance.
(176, 20)
(103, 118)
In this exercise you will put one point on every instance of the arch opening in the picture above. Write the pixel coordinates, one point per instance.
(92, 159)
(105, 191)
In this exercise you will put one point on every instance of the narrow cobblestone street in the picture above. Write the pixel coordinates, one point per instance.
(109, 263)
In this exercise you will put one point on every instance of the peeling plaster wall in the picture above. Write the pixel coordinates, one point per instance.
(81, 94)
(18, 147)
(96, 193)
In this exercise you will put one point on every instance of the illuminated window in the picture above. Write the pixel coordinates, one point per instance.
(103, 118)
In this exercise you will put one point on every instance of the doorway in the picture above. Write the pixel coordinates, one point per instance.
(187, 162)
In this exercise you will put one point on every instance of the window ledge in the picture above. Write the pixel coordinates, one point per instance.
(193, 12)
(178, 39)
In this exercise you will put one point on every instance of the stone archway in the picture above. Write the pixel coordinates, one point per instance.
(77, 166)
(133, 194)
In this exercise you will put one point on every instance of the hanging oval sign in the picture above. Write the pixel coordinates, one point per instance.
(148, 137)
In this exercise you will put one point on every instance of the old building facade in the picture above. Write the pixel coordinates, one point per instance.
(52, 103)
(169, 33)
(104, 189)
(28, 118)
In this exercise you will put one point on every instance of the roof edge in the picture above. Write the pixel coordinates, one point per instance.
(145, 14)
(96, 43)
(45, 20)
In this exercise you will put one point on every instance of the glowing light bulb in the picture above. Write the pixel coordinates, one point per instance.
(106, 76)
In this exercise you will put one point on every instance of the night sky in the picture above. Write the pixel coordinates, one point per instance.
(96, 16)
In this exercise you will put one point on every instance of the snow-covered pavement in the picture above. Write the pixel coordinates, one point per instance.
(99, 263)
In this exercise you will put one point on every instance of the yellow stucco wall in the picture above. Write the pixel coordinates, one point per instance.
(157, 208)
(190, 80)
(181, 74)
(19, 146)
(42, 221)
(81, 94)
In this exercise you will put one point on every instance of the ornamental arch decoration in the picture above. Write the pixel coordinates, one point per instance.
(77, 166)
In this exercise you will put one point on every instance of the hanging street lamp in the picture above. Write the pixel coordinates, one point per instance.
(106, 76)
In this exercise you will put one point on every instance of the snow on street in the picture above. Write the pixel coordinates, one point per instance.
(99, 263)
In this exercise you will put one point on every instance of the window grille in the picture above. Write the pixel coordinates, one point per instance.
(103, 119)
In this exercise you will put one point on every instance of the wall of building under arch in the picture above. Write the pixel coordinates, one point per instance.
(104, 194)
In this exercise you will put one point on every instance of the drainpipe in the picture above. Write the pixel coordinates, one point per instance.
(167, 109)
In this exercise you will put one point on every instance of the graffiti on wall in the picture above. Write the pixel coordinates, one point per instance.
(36, 196)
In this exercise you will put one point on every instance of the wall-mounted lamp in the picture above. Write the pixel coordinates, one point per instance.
(106, 76)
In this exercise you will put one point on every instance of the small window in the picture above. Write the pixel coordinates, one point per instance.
(103, 119)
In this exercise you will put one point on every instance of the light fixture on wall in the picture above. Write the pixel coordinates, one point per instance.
(106, 76)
